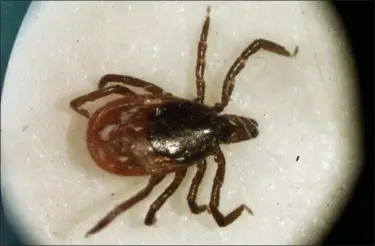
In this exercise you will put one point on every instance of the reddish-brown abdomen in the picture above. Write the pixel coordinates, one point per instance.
(108, 149)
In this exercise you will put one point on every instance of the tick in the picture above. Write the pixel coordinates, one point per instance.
(153, 133)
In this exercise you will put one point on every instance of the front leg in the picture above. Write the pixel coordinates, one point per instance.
(222, 220)
(240, 62)
(77, 103)
(201, 59)
(131, 81)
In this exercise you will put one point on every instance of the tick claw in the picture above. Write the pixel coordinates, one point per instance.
(208, 10)
(249, 210)
(295, 51)
(88, 234)
(204, 208)
(149, 222)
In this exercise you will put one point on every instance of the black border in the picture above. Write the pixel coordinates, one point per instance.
(356, 226)
(11, 16)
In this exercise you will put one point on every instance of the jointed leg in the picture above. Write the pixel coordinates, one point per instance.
(130, 81)
(220, 219)
(77, 103)
(201, 59)
(240, 62)
(154, 180)
(192, 196)
(158, 203)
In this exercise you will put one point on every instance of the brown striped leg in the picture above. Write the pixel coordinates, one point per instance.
(154, 180)
(222, 220)
(240, 62)
(158, 203)
(77, 103)
(192, 196)
(130, 81)
(201, 59)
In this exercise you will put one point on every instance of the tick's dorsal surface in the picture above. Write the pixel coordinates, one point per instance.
(186, 131)
(169, 134)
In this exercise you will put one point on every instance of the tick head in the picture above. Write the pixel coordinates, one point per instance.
(238, 128)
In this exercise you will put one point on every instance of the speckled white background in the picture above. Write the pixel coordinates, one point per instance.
(305, 107)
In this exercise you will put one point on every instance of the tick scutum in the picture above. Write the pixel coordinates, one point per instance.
(185, 131)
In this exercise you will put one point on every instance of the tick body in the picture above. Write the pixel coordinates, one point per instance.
(155, 133)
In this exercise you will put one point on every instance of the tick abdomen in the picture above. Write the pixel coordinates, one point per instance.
(184, 131)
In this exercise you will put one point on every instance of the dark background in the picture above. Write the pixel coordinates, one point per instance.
(11, 16)
(356, 226)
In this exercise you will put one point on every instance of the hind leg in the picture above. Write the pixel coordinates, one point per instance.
(131, 81)
(154, 180)
(77, 103)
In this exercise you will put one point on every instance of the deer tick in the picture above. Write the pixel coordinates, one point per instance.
(155, 133)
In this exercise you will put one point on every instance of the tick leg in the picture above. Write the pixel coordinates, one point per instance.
(154, 180)
(201, 59)
(131, 81)
(158, 203)
(192, 196)
(77, 103)
(220, 219)
(240, 62)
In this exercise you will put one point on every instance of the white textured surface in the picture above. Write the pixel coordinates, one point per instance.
(305, 107)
